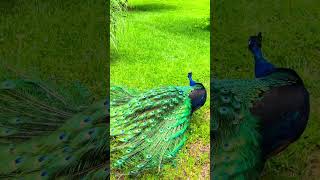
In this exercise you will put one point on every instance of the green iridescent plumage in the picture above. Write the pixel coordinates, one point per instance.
(149, 128)
(236, 142)
(48, 134)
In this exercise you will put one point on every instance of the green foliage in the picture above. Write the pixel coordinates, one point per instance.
(117, 8)
(290, 29)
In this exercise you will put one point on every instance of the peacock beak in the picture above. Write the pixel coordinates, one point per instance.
(198, 96)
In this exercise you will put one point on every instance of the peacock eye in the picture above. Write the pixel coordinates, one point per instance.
(91, 132)
(41, 158)
(18, 160)
(226, 99)
(140, 165)
(8, 84)
(66, 149)
(62, 136)
(128, 150)
(223, 110)
(224, 91)
(44, 173)
(87, 120)
(18, 120)
(68, 158)
(120, 161)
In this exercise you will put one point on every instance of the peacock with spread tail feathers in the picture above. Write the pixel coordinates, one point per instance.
(254, 119)
(46, 133)
(149, 128)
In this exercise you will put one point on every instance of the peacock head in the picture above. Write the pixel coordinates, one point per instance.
(198, 94)
(255, 41)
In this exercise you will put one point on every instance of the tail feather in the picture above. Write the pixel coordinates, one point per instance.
(44, 134)
(120, 95)
(149, 129)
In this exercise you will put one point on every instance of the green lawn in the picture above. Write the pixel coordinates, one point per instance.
(291, 31)
(159, 42)
(60, 41)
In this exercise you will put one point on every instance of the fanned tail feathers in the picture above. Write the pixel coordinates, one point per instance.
(148, 129)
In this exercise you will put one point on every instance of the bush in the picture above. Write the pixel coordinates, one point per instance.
(117, 9)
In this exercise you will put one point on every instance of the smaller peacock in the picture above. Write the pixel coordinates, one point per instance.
(147, 129)
(254, 119)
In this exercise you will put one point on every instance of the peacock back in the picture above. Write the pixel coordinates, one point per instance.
(238, 129)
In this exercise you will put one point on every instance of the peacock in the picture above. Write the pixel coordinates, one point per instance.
(50, 133)
(254, 119)
(147, 129)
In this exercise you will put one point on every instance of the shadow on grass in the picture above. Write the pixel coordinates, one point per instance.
(151, 7)
(114, 56)
(207, 27)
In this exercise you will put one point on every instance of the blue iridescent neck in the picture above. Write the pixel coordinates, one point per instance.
(257, 53)
(262, 66)
(191, 81)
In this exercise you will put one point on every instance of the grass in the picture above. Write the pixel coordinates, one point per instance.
(159, 42)
(60, 41)
(291, 39)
